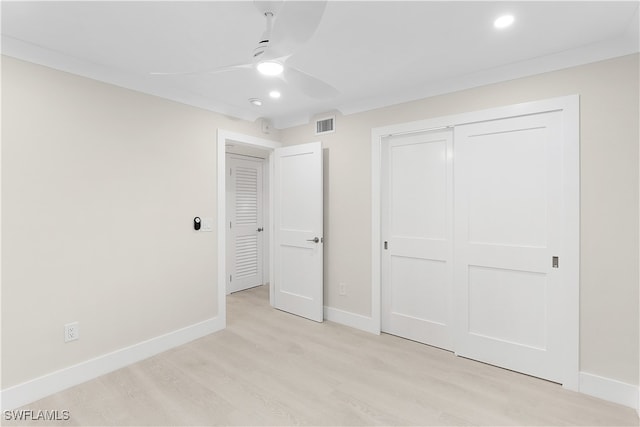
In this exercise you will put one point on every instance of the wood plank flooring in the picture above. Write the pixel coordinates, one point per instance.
(273, 368)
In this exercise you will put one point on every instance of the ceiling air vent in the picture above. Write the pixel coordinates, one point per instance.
(325, 125)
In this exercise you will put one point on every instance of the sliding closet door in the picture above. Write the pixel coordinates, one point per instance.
(508, 213)
(416, 229)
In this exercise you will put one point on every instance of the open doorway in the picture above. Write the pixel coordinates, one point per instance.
(249, 147)
(295, 224)
(247, 233)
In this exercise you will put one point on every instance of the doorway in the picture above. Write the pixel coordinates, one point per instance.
(251, 146)
(295, 223)
(247, 235)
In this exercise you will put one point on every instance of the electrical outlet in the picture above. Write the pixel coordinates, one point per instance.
(71, 332)
(342, 289)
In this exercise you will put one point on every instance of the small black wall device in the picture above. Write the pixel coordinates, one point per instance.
(196, 223)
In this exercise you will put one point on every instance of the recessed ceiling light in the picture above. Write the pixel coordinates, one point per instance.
(270, 68)
(274, 94)
(255, 101)
(503, 21)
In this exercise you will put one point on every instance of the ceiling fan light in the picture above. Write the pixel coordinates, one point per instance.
(270, 68)
(255, 101)
(503, 21)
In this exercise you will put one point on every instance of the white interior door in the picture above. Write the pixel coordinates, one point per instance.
(298, 227)
(245, 223)
(508, 211)
(416, 229)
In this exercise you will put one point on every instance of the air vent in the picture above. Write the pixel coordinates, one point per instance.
(325, 125)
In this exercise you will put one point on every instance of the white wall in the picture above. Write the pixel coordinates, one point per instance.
(99, 189)
(609, 198)
(100, 185)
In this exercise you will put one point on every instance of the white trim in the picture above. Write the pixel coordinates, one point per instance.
(609, 389)
(621, 46)
(38, 388)
(221, 202)
(571, 238)
(569, 105)
(376, 227)
(352, 320)
(265, 144)
(272, 243)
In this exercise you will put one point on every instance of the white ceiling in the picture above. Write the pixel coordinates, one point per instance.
(375, 53)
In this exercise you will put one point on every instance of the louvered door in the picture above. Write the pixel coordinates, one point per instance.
(244, 208)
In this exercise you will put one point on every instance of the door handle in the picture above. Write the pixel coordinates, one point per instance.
(314, 240)
(260, 229)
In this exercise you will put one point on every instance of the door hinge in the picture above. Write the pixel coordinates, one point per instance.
(386, 245)
(230, 224)
(230, 278)
(230, 171)
(555, 261)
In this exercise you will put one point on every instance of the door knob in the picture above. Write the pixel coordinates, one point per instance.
(260, 229)
(314, 240)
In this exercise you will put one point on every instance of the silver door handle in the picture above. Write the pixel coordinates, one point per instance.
(314, 240)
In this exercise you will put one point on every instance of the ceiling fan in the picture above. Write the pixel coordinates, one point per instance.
(289, 25)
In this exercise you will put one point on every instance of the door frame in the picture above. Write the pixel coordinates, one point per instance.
(570, 108)
(224, 137)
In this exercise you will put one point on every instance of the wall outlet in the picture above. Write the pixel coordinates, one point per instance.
(342, 289)
(71, 332)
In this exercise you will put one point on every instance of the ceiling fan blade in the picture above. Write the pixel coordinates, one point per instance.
(309, 85)
(295, 24)
(218, 70)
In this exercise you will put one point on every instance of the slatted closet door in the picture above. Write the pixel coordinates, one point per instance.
(245, 224)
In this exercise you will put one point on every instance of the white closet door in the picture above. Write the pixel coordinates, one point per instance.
(416, 263)
(508, 206)
(245, 248)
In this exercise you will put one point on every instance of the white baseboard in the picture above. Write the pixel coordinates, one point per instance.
(38, 388)
(610, 390)
(353, 320)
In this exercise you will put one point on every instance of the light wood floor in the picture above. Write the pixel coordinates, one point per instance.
(273, 368)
